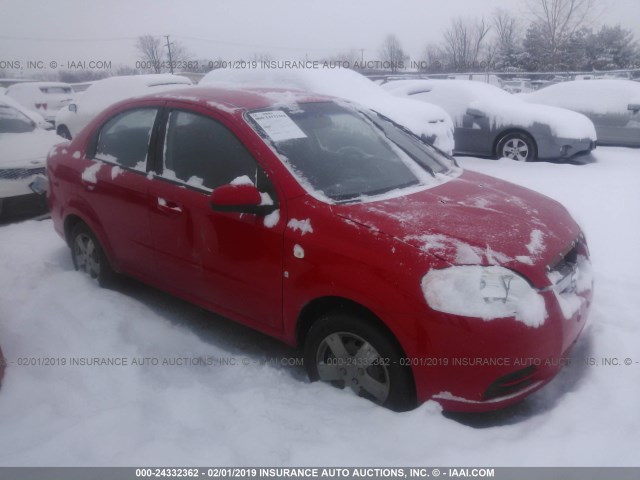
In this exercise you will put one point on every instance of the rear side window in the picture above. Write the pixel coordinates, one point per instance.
(125, 138)
(203, 153)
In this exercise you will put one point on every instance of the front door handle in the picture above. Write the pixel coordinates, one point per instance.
(168, 206)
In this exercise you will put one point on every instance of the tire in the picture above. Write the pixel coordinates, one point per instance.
(64, 132)
(88, 256)
(517, 146)
(347, 351)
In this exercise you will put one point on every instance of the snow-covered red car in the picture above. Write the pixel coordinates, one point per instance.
(331, 228)
(494, 123)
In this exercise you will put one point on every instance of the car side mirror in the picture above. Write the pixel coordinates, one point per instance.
(73, 108)
(474, 112)
(634, 107)
(242, 198)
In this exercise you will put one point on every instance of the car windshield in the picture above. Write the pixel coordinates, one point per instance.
(345, 153)
(13, 121)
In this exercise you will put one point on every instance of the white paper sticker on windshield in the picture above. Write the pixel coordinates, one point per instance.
(278, 125)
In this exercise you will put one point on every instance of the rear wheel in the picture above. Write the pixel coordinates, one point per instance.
(88, 255)
(348, 352)
(517, 146)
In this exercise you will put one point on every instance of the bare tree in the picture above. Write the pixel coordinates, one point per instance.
(508, 38)
(560, 19)
(392, 52)
(150, 50)
(463, 42)
(154, 51)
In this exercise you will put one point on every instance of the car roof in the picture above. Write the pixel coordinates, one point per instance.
(248, 98)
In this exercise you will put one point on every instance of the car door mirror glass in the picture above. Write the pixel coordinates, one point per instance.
(73, 107)
(474, 112)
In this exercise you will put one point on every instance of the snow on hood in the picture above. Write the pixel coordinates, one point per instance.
(502, 108)
(26, 149)
(421, 118)
(475, 220)
(588, 96)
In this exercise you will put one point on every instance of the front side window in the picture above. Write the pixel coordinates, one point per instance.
(14, 121)
(202, 152)
(125, 138)
(344, 153)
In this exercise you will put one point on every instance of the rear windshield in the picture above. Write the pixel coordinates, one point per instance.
(56, 90)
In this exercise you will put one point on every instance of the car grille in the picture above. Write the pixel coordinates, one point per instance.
(18, 173)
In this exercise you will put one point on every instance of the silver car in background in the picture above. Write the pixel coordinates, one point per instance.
(493, 123)
(612, 105)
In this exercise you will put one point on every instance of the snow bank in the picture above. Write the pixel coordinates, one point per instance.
(502, 108)
(420, 118)
(588, 96)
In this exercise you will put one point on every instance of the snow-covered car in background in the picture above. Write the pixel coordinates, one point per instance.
(491, 122)
(517, 86)
(35, 116)
(429, 122)
(23, 151)
(45, 98)
(612, 105)
(103, 93)
(325, 225)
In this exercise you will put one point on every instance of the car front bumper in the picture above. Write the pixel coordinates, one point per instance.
(478, 365)
(562, 148)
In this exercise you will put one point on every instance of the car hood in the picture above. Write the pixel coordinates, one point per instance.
(475, 220)
(24, 150)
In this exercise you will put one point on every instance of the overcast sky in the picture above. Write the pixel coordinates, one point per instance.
(63, 30)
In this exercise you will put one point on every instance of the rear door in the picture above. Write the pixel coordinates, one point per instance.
(230, 261)
(115, 186)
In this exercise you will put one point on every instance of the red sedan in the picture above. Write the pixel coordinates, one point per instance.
(333, 229)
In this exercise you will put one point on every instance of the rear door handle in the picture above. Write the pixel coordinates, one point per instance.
(168, 206)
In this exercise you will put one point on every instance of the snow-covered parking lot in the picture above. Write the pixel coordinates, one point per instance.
(257, 413)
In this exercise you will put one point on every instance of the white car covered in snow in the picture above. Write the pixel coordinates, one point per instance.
(24, 146)
(103, 93)
(45, 98)
(491, 122)
(428, 121)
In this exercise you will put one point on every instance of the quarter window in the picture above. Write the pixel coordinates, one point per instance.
(125, 138)
(203, 153)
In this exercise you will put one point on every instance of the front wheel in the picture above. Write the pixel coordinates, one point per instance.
(517, 146)
(348, 352)
(88, 255)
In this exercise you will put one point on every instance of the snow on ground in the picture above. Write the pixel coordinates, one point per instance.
(268, 414)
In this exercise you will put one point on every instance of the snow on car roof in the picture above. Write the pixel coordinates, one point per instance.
(240, 98)
(589, 96)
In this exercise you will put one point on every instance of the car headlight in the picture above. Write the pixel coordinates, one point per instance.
(484, 292)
